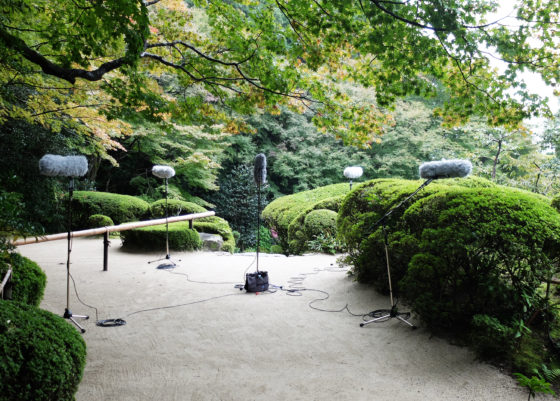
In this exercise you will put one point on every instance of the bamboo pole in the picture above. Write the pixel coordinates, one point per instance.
(5, 281)
(109, 229)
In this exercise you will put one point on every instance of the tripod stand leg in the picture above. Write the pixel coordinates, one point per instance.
(377, 319)
(77, 324)
(406, 321)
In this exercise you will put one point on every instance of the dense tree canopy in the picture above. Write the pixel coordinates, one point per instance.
(92, 66)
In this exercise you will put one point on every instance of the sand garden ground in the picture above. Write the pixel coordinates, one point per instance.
(187, 339)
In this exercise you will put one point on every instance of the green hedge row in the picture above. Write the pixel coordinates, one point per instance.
(43, 357)
(181, 237)
(286, 215)
(120, 208)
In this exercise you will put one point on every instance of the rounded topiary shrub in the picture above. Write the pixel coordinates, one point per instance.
(99, 220)
(120, 208)
(360, 229)
(175, 208)
(28, 280)
(43, 357)
(181, 237)
(479, 252)
(321, 221)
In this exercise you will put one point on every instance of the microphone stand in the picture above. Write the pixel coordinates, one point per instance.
(170, 264)
(385, 314)
(67, 313)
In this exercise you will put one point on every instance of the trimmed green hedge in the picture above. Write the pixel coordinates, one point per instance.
(28, 280)
(479, 251)
(176, 207)
(120, 208)
(282, 212)
(181, 237)
(43, 357)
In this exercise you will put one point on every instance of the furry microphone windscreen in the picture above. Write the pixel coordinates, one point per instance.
(259, 172)
(67, 166)
(163, 171)
(353, 172)
(445, 169)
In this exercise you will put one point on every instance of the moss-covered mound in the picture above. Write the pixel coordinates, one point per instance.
(181, 237)
(120, 208)
(28, 280)
(286, 215)
(43, 357)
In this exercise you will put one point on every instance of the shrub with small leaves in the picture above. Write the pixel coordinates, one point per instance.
(43, 356)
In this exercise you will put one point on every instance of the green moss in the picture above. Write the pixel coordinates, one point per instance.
(28, 280)
(43, 357)
(529, 354)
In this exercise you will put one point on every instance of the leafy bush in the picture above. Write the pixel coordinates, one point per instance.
(99, 220)
(175, 208)
(181, 237)
(490, 337)
(43, 357)
(276, 249)
(280, 213)
(120, 208)
(28, 280)
(479, 251)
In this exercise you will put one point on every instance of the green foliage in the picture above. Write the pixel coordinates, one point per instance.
(181, 237)
(479, 251)
(530, 353)
(364, 207)
(175, 207)
(280, 213)
(490, 338)
(534, 384)
(99, 220)
(28, 280)
(276, 249)
(120, 208)
(43, 357)
(237, 202)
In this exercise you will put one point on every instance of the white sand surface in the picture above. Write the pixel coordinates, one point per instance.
(215, 342)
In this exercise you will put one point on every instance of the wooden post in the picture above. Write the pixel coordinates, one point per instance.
(105, 250)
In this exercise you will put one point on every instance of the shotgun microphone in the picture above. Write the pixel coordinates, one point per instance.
(163, 171)
(445, 169)
(67, 166)
(259, 171)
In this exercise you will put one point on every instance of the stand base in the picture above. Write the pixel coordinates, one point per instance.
(168, 265)
(68, 315)
(389, 314)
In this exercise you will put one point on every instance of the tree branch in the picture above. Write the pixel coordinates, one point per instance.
(50, 68)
